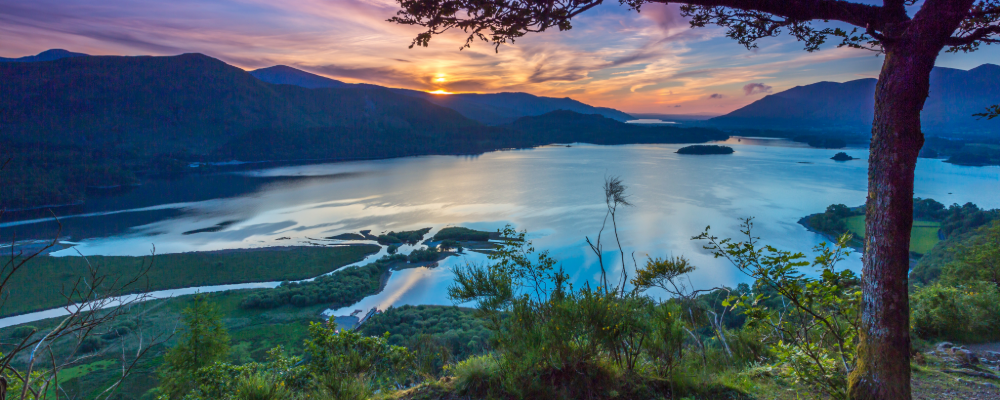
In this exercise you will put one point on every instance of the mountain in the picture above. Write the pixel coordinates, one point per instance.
(849, 106)
(80, 124)
(490, 109)
(189, 103)
(285, 75)
(47, 55)
(504, 108)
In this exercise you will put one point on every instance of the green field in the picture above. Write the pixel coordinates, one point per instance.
(923, 237)
(42, 282)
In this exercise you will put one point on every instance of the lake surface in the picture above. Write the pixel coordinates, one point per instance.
(553, 192)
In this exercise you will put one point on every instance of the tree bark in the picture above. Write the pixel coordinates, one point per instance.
(883, 363)
(883, 367)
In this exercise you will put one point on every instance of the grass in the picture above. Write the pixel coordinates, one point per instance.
(252, 333)
(923, 237)
(50, 277)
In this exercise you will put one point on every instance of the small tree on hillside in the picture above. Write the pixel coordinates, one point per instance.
(910, 42)
(203, 342)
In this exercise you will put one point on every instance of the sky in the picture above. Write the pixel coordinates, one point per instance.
(640, 62)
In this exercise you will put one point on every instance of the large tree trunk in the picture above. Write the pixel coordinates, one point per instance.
(883, 367)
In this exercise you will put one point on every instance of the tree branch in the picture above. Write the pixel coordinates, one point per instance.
(977, 35)
(861, 15)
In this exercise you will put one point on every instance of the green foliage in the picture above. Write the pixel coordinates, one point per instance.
(832, 220)
(423, 255)
(439, 333)
(408, 237)
(339, 289)
(461, 234)
(973, 245)
(552, 340)
(338, 355)
(260, 387)
(816, 332)
(203, 342)
(42, 288)
(978, 260)
(476, 375)
(23, 331)
(280, 377)
(966, 313)
(965, 218)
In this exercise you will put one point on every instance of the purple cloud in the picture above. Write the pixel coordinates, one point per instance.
(716, 96)
(756, 88)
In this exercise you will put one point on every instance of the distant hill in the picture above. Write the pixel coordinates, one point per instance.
(954, 96)
(504, 108)
(189, 103)
(285, 75)
(564, 126)
(487, 108)
(47, 55)
(81, 124)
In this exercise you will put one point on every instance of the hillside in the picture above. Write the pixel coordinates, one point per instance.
(849, 106)
(487, 108)
(189, 103)
(95, 123)
(285, 75)
(47, 55)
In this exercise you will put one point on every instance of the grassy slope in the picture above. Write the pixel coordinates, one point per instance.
(255, 331)
(42, 288)
(923, 237)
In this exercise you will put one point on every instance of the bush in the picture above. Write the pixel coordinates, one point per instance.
(423, 255)
(261, 386)
(339, 289)
(408, 237)
(968, 313)
(462, 234)
(91, 344)
(476, 376)
(23, 331)
(344, 355)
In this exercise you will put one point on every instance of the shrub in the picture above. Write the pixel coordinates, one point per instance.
(261, 386)
(462, 234)
(476, 375)
(346, 354)
(968, 313)
(23, 331)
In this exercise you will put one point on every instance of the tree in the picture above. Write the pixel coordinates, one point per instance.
(910, 43)
(203, 342)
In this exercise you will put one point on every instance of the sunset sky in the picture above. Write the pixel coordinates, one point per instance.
(635, 62)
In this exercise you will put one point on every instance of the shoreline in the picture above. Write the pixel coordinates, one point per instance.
(218, 287)
(853, 244)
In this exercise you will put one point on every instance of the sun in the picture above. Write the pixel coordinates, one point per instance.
(439, 91)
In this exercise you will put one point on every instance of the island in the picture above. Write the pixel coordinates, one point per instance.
(842, 157)
(705, 149)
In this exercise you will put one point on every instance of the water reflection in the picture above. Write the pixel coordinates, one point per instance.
(553, 192)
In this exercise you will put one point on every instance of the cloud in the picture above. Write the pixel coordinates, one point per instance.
(716, 96)
(756, 88)
(640, 62)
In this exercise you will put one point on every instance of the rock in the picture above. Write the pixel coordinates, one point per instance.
(943, 347)
(842, 157)
(992, 356)
(965, 357)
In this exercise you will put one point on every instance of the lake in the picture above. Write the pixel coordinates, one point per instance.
(553, 192)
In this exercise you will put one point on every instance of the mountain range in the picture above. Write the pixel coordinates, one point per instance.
(83, 123)
(955, 95)
(490, 108)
